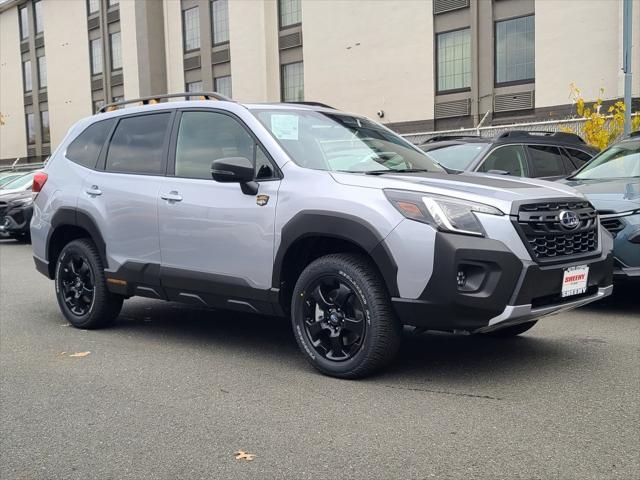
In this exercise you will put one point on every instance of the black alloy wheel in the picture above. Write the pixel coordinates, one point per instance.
(78, 284)
(334, 318)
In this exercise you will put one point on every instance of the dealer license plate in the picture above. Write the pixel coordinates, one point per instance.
(574, 281)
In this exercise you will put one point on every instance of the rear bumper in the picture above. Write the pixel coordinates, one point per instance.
(507, 291)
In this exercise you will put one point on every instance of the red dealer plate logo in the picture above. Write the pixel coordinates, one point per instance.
(574, 281)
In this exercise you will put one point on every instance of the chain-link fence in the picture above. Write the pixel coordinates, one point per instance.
(573, 124)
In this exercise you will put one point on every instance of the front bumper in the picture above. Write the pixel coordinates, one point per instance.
(509, 290)
(15, 220)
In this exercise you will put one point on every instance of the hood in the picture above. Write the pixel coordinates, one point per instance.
(496, 190)
(8, 197)
(610, 196)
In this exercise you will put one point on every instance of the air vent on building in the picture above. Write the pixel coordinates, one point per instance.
(31, 152)
(93, 23)
(96, 84)
(192, 63)
(221, 56)
(456, 108)
(28, 100)
(46, 150)
(290, 41)
(42, 97)
(39, 42)
(116, 80)
(113, 16)
(24, 47)
(442, 6)
(513, 102)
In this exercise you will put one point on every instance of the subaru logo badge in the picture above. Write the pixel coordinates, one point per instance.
(569, 219)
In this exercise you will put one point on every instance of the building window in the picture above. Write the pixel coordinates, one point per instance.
(220, 21)
(93, 6)
(42, 72)
(114, 3)
(290, 13)
(454, 60)
(97, 105)
(222, 85)
(515, 50)
(116, 51)
(292, 82)
(26, 75)
(118, 98)
(31, 129)
(44, 125)
(24, 24)
(191, 29)
(193, 87)
(37, 7)
(95, 47)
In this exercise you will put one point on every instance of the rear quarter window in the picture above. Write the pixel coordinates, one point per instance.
(85, 149)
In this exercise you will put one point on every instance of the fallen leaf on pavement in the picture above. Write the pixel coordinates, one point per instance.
(80, 354)
(240, 455)
(60, 354)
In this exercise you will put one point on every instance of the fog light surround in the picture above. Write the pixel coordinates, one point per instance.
(470, 277)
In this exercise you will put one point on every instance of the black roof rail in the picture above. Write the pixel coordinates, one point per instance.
(312, 104)
(634, 134)
(444, 138)
(157, 98)
(563, 136)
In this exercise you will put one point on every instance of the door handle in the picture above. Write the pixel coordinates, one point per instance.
(171, 197)
(94, 191)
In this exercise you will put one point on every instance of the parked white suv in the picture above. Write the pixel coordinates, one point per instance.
(302, 210)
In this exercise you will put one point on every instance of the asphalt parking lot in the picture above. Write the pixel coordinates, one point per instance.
(173, 392)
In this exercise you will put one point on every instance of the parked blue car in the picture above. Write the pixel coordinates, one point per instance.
(611, 182)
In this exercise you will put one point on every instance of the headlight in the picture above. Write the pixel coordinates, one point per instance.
(444, 213)
(22, 202)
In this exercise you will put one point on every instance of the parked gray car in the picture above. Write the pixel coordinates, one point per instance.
(611, 182)
(305, 211)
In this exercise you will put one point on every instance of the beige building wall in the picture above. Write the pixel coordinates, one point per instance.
(578, 42)
(129, 49)
(369, 58)
(173, 45)
(253, 40)
(13, 135)
(68, 75)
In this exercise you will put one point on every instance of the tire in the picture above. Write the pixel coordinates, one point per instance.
(360, 334)
(509, 332)
(90, 305)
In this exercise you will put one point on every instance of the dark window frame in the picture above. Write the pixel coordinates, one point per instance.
(282, 67)
(111, 56)
(184, 30)
(215, 82)
(95, 74)
(89, 12)
(286, 27)
(171, 167)
(527, 81)
(40, 86)
(102, 160)
(24, 77)
(35, 131)
(23, 36)
(437, 63)
(47, 138)
(213, 42)
(35, 18)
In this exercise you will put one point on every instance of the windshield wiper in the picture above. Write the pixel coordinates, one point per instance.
(399, 170)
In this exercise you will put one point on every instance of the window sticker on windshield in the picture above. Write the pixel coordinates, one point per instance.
(284, 127)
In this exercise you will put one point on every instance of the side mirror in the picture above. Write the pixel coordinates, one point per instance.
(235, 170)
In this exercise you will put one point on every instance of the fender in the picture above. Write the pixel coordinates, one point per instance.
(342, 226)
(77, 218)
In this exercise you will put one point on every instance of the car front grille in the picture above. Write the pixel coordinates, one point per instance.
(614, 225)
(549, 240)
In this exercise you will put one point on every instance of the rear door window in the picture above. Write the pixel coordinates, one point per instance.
(578, 157)
(510, 159)
(85, 149)
(546, 161)
(137, 145)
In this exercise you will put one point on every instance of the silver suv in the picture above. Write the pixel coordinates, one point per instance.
(305, 211)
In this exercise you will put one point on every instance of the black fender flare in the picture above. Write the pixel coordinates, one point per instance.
(310, 223)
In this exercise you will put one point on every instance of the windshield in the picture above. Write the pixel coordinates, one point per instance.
(458, 157)
(337, 142)
(620, 161)
(9, 178)
(19, 182)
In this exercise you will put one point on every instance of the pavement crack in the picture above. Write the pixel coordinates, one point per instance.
(445, 392)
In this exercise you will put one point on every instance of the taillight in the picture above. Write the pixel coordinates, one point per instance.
(39, 179)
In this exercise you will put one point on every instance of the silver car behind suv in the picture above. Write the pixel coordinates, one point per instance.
(302, 210)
